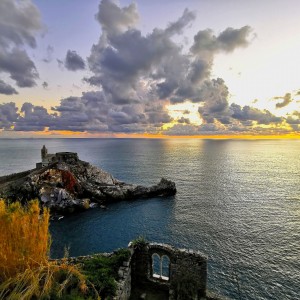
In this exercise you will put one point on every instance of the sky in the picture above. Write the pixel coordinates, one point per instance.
(108, 68)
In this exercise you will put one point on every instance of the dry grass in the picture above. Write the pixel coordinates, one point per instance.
(46, 281)
(24, 238)
(25, 269)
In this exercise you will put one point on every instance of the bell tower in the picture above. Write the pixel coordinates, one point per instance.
(44, 152)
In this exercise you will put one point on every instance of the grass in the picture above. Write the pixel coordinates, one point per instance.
(24, 238)
(25, 269)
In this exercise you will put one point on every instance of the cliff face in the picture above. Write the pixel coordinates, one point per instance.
(73, 184)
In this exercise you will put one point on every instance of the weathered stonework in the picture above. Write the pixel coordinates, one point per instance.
(187, 272)
(124, 282)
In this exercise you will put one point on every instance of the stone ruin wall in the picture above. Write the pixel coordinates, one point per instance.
(187, 271)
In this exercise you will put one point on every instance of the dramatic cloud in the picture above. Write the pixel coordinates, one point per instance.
(8, 115)
(20, 67)
(136, 76)
(19, 23)
(125, 62)
(248, 113)
(74, 62)
(215, 109)
(287, 99)
(214, 95)
(6, 89)
(33, 118)
(178, 26)
(206, 43)
(114, 19)
(92, 112)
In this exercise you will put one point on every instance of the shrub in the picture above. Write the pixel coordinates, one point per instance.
(25, 270)
(139, 243)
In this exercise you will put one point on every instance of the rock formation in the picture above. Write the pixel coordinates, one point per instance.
(71, 184)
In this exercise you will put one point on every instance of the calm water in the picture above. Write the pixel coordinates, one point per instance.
(237, 201)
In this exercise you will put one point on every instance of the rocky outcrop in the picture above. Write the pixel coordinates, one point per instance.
(74, 184)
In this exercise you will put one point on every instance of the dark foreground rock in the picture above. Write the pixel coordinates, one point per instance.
(74, 184)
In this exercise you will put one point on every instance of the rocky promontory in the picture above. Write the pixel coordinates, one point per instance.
(67, 183)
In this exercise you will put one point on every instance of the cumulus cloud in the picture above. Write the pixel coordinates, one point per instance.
(178, 26)
(286, 100)
(114, 19)
(33, 118)
(247, 113)
(7, 89)
(19, 23)
(124, 57)
(73, 61)
(216, 110)
(8, 115)
(214, 95)
(20, 67)
(206, 43)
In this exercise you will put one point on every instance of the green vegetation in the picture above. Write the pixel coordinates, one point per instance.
(102, 271)
(139, 243)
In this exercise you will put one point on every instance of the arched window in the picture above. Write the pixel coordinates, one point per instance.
(156, 265)
(160, 266)
(165, 267)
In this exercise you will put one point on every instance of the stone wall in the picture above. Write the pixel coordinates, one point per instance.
(187, 271)
(124, 282)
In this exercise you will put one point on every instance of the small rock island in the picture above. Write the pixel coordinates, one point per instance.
(64, 183)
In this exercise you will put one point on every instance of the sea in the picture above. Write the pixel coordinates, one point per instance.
(238, 202)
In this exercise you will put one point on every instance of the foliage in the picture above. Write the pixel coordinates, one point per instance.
(139, 243)
(25, 270)
(102, 271)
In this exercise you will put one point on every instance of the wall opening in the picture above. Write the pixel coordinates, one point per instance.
(160, 267)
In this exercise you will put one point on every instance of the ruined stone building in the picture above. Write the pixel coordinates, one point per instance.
(162, 272)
